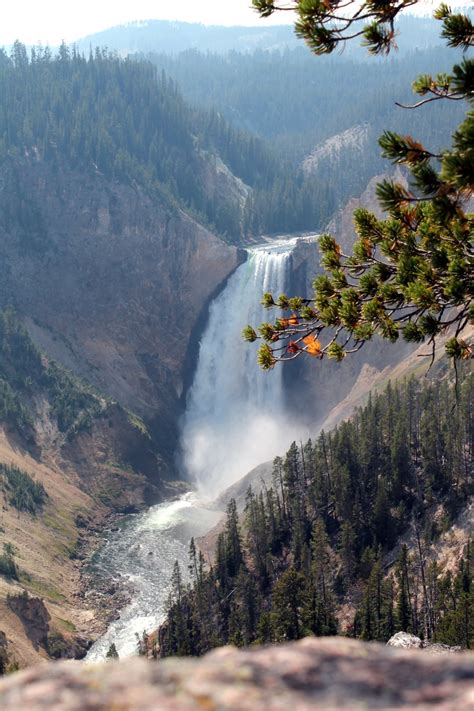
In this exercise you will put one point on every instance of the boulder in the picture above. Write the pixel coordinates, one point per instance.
(322, 674)
(405, 640)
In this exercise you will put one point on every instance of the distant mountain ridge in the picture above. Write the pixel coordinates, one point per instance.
(173, 37)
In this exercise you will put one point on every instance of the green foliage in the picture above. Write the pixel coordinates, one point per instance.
(12, 410)
(326, 28)
(24, 373)
(125, 120)
(454, 611)
(8, 567)
(410, 274)
(457, 27)
(3, 654)
(112, 652)
(22, 492)
(57, 646)
(325, 534)
(73, 404)
(249, 334)
(293, 104)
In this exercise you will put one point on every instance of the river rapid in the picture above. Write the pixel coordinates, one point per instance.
(140, 552)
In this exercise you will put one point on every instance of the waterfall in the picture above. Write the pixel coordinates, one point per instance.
(235, 416)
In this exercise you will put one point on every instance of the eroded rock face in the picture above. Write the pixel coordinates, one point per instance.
(112, 280)
(316, 387)
(34, 617)
(325, 674)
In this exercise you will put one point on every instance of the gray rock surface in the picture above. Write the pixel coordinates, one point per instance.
(313, 674)
(405, 640)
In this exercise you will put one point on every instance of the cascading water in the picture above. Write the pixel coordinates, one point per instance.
(140, 553)
(234, 420)
(235, 415)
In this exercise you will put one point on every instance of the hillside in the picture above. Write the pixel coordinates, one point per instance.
(93, 245)
(129, 187)
(351, 535)
(106, 244)
(96, 235)
(68, 458)
(297, 103)
(127, 122)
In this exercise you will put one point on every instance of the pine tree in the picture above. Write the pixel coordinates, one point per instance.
(410, 274)
(287, 598)
(112, 652)
(342, 553)
(404, 611)
(233, 543)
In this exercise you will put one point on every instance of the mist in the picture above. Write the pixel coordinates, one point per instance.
(217, 455)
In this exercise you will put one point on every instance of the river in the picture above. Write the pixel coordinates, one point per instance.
(140, 552)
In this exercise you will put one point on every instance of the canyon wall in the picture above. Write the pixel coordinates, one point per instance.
(111, 280)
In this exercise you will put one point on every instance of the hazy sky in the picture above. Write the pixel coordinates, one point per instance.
(50, 21)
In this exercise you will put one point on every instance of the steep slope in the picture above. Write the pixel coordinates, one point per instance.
(116, 288)
(105, 260)
(352, 139)
(306, 106)
(98, 249)
(68, 458)
(314, 388)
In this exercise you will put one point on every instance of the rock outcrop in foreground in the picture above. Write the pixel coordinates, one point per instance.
(325, 674)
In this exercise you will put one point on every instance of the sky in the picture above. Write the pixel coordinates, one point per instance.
(50, 21)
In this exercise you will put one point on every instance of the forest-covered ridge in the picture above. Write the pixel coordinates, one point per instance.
(129, 122)
(296, 98)
(259, 114)
(174, 37)
(296, 102)
(342, 541)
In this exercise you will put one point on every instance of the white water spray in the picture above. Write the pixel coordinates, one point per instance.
(235, 416)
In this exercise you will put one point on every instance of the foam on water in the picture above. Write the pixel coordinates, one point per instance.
(142, 553)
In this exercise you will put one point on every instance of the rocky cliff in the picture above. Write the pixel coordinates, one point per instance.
(315, 387)
(326, 674)
(111, 280)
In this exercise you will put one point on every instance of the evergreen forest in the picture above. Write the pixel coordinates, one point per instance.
(340, 542)
(128, 122)
(296, 103)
